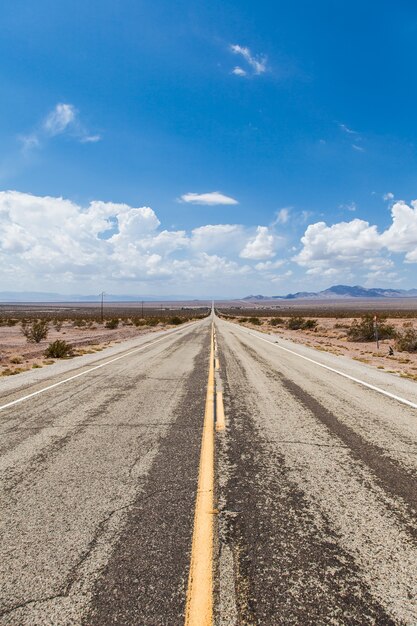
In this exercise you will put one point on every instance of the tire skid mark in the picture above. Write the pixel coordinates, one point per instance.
(145, 579)
(37, 464)
(394, 479)
(289, 571)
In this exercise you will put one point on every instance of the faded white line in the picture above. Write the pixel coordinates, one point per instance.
(335, 371)
(92, 369)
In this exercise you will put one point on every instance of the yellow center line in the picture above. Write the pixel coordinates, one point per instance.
(220, 419)
(199, 607)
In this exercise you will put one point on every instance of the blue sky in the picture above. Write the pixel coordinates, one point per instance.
(207, 148)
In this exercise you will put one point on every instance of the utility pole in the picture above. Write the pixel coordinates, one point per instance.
(102, 306)
(376, 331)
(142, 309)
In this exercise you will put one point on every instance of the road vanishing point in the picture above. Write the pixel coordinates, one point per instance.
(208, 475)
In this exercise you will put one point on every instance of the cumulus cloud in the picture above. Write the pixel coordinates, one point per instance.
(269, 265)
(401, 236)
(211, 199)
(341, 245)
(262, 246)
(51, 241)
(357, 245)
(257, 64)
(218, 237)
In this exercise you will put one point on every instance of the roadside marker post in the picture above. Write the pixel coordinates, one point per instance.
(376, 331)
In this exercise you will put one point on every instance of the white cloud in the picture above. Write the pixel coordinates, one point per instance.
(262, 246)
(339, 247)
(58, 120)
(269, 265)
(53, 243)
(238, 71)
(29, 142)
(211, 199)
(280, 277)
(401, 236)
(353, 135)
(63, 119)
(388, 196)
(91, 139)
(357, 246)
(283, 216)
(347, 130)
(348, 207)
(218, 237)
(256, 63)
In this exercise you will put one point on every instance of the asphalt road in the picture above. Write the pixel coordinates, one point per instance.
(315, 486)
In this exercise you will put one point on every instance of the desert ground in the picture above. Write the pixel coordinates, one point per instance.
(79, 326)
(331, 332)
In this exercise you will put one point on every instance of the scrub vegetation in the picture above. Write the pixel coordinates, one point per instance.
(32, 336)
(348, 332)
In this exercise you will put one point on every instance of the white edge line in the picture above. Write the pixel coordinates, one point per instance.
(91, 369)
(331, 369)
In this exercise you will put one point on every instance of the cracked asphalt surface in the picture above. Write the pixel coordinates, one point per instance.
(315, 483)
(98, 488)
(317, 491)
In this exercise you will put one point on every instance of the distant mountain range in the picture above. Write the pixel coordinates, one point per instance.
(341, 291)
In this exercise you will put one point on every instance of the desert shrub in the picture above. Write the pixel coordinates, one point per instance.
(58, 325)
(10, 372)
(299, 323)
(255, 320)
(16, 360)
(242, 320)
(139, 321)
(112, 324)
(407, 340)
(11, 321)
(295, 323)
(364, 330)
(152, 321)
(36, 331)
(58, 349)
(80, 323)
(175, 320)
(310, 325)
(277, 321)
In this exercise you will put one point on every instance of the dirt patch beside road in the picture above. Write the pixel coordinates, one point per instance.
(330, 335)
(18, 355)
